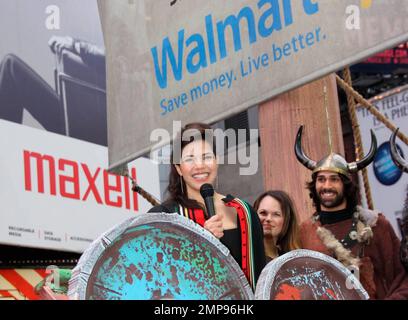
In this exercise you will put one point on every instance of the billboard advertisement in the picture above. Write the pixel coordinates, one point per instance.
(388, 184)
(199, 60)
(54, 187)
(52, 67)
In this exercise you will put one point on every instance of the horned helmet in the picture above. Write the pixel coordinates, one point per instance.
(334, 162)
(396, 157)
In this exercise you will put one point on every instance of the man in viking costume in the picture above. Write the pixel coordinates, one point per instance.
(361, 239)
(403, 166)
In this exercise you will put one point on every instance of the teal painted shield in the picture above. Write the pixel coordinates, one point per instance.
(158, 256)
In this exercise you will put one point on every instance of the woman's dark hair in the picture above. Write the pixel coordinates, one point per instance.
(289, 237)
(350, 192)
(189, 133)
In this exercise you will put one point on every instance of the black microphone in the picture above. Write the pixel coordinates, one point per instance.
(207, 192)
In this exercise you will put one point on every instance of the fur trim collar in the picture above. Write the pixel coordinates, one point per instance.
(367, 219)
(367, 216)
(342, 254)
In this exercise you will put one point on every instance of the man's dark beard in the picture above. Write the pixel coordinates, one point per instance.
(338, 200)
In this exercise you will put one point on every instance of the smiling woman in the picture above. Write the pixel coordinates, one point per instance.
(277, 213)
(235, 223)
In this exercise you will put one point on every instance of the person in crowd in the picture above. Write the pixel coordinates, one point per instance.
(361, 239)
(277, 213)
(235, 223)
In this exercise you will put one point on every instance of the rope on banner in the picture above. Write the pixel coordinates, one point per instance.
(371, 108)
(359, 152)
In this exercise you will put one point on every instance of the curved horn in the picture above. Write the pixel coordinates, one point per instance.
(398, 160)
(300, 155)
(359, 165)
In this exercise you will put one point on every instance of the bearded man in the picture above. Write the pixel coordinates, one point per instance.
(361, 239)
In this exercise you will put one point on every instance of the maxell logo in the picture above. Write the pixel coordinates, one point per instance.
(73, 180)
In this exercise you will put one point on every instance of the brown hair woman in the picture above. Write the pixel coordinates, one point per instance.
(277, 213)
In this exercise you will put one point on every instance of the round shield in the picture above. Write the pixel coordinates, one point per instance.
(158, 256)
(308, 275)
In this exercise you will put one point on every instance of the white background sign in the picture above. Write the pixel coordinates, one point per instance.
(67, 199)
(388, 185)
